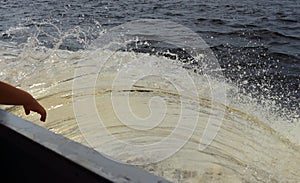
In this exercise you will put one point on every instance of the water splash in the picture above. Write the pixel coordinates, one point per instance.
(254, 144)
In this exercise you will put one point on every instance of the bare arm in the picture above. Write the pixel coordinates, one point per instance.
(10, 95)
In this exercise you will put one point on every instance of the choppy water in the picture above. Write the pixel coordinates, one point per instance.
(255, 42)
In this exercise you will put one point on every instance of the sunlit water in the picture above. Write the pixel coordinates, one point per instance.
(257, 48)
(251, 146)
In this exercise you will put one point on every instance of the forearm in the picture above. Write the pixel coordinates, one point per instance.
(10, 95)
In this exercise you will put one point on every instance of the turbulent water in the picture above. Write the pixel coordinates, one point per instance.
(69, 56)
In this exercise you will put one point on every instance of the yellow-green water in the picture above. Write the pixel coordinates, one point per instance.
(251, 145)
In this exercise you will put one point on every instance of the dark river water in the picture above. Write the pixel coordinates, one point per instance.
(256, 43)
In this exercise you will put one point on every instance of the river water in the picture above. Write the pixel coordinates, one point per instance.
(193, 91)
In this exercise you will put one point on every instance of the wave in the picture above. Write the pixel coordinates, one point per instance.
(254, 143)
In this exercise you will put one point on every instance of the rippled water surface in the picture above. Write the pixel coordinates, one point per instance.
(256, 43)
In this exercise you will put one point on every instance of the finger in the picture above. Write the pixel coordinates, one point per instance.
(43, 115)
(27, 111)
(43, 118)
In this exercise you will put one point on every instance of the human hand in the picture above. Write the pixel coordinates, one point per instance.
(33, 105)
(10, 95)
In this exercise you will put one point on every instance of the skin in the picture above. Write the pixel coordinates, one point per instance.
(10, 95)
